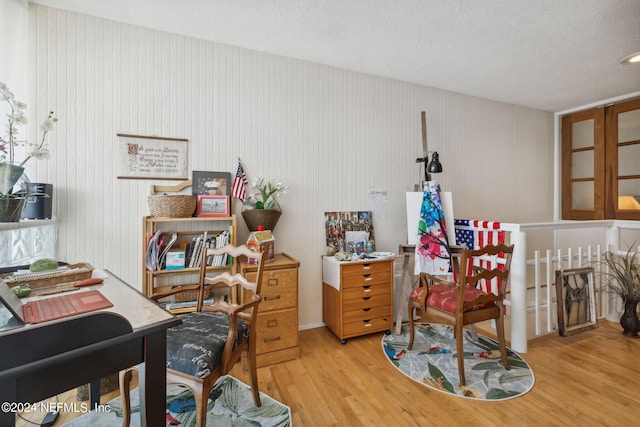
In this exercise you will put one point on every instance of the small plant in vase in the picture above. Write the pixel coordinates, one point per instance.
(261, 207)
(623, 274)
(11, 171)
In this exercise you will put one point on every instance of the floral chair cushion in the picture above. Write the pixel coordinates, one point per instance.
(445, 297)
(195, 347)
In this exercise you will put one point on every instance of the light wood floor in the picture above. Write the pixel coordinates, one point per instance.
(589, 379)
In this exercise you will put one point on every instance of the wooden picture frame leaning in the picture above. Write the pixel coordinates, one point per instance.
(576, 305)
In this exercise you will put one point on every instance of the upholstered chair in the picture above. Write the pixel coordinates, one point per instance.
(213, 338)
(463, 302)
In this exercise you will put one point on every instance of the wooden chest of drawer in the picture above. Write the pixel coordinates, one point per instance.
(357, 297)
(361, 274)
(277, 328)
(366, 314)
(367, 326)
(279, 289)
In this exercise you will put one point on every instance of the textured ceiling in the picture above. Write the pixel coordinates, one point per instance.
(546, 54)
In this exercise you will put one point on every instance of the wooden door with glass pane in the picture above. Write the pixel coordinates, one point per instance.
(622, 167)
(601, 163)
(583, 165)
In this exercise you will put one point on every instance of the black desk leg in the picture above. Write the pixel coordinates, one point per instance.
(8, 389)
(94, 394)
(155, 380)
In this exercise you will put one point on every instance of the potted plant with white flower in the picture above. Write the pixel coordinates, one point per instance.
(11, 172)
(261, 207)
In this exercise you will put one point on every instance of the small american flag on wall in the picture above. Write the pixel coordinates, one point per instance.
(239, 188)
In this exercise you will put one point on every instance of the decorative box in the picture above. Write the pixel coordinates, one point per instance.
(264, 241)
(175, 259)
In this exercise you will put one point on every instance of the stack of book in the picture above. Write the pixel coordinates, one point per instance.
(155, 258)
(183, 307)
(200, 243)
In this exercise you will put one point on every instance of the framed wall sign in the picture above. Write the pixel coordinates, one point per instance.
(575, 301)
(213, 206)
(211, 183)
(152, 157)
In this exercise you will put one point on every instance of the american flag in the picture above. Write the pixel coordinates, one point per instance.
(475, 234)
(239, 188)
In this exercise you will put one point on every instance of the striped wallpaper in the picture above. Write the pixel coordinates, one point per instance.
(332, 135)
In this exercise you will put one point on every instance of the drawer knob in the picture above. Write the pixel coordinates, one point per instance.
(267, 298)
(272, 282)
(271, 323)
(272, 339)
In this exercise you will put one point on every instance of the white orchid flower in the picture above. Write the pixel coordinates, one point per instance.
(19, 117)
(16, 118)
(47, 125)
(40, 153)
(267, 192)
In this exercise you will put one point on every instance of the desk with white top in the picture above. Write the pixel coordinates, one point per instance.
(42, 360)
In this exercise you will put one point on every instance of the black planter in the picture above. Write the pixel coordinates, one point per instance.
(39, 201)
(268, 218)
(629, 319)
(11, 208)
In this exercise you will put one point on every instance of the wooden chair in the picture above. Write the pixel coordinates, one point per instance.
(462, 302)
(213, 338)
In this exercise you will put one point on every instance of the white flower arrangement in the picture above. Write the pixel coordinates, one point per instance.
(268, 192)
(17, 117)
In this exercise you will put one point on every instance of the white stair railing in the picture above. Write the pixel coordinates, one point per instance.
(544, 267)
(532, 295)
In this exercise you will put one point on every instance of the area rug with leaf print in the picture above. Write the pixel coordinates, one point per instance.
(230, 404)
(433, 362)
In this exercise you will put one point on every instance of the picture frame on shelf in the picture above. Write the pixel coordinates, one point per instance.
(211, 183)
(213, 206)
(575, 297)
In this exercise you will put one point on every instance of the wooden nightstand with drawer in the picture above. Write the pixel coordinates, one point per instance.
(277, 329)
(357, 296)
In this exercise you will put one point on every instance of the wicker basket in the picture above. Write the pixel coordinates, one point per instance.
(173, 206)
(187, 296)
(54, 278)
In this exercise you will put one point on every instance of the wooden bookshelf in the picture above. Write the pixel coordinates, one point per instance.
(155, 281)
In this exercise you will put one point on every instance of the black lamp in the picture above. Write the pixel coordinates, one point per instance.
(434, 166)
(430, 167)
